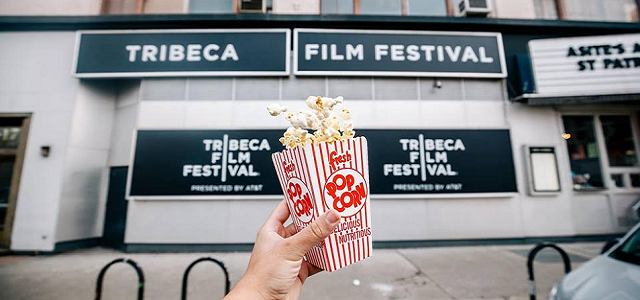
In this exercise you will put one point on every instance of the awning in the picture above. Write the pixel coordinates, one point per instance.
(538, 100)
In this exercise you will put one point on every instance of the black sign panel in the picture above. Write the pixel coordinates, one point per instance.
(440, 161)
(398, 53)
(204, 163)
(188, 163)
(232, 52)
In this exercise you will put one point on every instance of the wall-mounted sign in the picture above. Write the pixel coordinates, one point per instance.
(440, 161)
(154, 53)
(542, 168)
(587, 65)
(334, 52)
(208, 164)
(194, 163)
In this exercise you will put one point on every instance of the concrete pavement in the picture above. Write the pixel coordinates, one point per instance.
(483, 272)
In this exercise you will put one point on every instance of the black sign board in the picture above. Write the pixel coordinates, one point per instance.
(440, 161)
(187, 163)
(331, 52)
(206, 164)
(154, 53)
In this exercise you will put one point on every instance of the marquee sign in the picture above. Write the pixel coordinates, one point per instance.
(587, 65)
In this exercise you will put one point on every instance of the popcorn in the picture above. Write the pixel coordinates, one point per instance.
(345, 114)
(348, 134)
(276, 109)
(288, 116)
(330, 102)
(312, 102)
(347, 126)
(326, 126)
(299, 121)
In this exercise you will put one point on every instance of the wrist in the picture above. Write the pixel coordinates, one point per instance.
(246, 289)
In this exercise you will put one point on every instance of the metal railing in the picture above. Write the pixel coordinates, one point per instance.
(185, 277)
(132, 263)
(532, 256)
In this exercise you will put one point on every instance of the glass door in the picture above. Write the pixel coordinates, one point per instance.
(6, 172)
(12, 142)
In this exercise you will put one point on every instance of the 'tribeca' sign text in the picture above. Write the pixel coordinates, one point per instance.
(229, 157)
(427, 157)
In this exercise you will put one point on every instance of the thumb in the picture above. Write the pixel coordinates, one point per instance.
(318, 230)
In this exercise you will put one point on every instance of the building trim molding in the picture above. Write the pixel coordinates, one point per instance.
(184, 21)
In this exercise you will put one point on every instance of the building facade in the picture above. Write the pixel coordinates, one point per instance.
(545, 106)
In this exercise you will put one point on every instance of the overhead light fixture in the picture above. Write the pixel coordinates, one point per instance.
(566, 135)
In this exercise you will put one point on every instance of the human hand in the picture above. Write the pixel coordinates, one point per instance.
(276, 269)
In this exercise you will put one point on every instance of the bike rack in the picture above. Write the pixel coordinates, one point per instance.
(121, 260)
(532, 255)
(185, 278)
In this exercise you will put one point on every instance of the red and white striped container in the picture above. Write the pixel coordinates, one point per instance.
(317, 178)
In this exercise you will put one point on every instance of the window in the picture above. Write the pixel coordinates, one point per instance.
(381, 7)
(602, 10)
(618, 139)
(9, 137)
(334, 7)
(583, 152)
(6, 172)
(618, 180)
(588, 10)
(211, 6)
(545, 9)
(613, 135)
(426, 7)
(635, 180)
(340, 7)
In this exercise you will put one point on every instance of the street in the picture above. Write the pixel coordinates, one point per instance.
(474, 272)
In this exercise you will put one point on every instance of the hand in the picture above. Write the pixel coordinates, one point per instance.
(276, 269)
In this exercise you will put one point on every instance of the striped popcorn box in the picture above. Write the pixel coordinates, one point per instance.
(317, 178)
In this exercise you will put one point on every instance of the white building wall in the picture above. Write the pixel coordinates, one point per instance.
(89, 126)
(542, 215)
(387, 103)
(376, 103)
(81, 209)
(61, 197)
(36, 79)
(125, 122)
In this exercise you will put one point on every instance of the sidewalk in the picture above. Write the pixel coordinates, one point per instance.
(488, 272)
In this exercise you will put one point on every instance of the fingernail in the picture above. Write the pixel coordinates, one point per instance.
(333, 217)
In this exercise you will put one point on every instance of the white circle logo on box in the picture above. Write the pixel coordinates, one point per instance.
(300, 199)
(346, 191)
